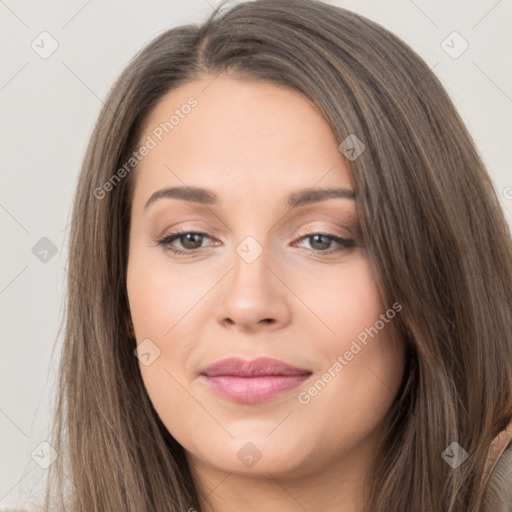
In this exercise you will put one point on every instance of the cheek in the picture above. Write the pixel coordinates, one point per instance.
(159, 302)
(363, 335)
(362, 365)
(164, 305)
(346, 300)
(159, 298)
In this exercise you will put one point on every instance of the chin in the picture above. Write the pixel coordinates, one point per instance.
(258, 455)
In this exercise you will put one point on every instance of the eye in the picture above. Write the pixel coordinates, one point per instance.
(322, 243)
(191, 241)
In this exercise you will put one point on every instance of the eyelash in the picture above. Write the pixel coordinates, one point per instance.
(165, 242)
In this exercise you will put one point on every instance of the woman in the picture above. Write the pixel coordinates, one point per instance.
(283, 217)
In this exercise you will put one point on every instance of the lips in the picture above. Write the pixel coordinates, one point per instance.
(262, 366)
(253, 381)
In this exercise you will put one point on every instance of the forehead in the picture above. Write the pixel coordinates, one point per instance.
(250, 138)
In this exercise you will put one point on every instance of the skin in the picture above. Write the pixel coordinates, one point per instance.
(253, 143)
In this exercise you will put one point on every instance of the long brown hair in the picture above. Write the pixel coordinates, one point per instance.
(433, 227)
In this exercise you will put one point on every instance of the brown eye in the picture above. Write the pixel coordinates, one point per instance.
(190, 241)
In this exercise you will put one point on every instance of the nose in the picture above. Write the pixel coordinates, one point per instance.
(254, 295)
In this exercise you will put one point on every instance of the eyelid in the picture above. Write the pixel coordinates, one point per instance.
(330, 231)
(350, 231)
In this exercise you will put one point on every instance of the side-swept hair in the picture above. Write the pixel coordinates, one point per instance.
(435, 235)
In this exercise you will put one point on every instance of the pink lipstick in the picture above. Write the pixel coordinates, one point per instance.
(255, 381)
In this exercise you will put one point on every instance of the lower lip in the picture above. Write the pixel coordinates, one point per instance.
(253, 390)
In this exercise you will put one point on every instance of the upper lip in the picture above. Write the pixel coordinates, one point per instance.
(237, 367)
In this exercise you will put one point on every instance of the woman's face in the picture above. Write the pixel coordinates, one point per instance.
(278, 271)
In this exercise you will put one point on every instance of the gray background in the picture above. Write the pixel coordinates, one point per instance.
(49, 106)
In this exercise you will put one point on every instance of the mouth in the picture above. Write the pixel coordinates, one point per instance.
(252, 382)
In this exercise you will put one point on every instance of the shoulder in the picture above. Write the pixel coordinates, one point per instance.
(499, 488)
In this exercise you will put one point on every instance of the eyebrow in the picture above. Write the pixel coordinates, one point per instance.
(206, 196)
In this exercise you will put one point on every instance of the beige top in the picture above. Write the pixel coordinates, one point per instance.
(498, 446)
